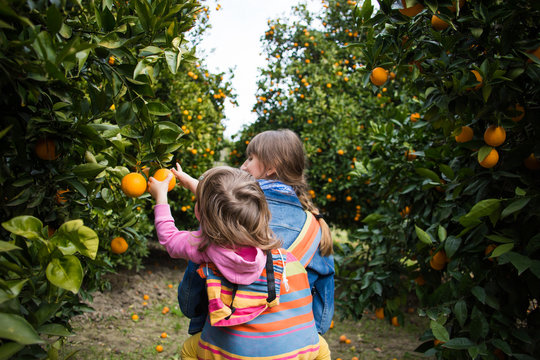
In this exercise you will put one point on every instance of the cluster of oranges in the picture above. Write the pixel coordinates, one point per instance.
(134, 184)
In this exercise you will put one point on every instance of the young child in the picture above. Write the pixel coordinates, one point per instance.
(258, 293)
(278, 160)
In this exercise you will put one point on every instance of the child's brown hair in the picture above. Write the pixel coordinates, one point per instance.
(282, 150)
(233, 211)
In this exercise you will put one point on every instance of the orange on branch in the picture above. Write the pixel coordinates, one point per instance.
(490, 160)
(46, 149)
(161, 174)
(495, 135)
(411, 11)
(520, 110)
(438, 24)
(378, 76)
(395, 321)
(531, 162)
(133, 184)
(465, 135)
(478, 78)
(379, 313)
(415, 117)
(119, 245)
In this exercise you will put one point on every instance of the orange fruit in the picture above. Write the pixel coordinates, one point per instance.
(438, 24)
(489, 249)
(415, 117)
(342, 338)
(479, 78)
(378, 76)
(490, 160)
(59, 198)
(163, 335)
(494, 135)
(133, 184)
(531, 162)
(436, 266)
(521, 113)
(111, 60)
(165, 310)
(409, 155)
(395, 321)
(46, 149)
(354, 358)
(440, 257)
(332, 324)
(170, 286)
(161, 174)
(412, 11)
(535, 53)
(119, 245)
(437, 342)
(159, 348)
(453, 7)
(465, 135)
(420, 281)
(379, 313)
(135, 317)
(146, 297)
(347, 341)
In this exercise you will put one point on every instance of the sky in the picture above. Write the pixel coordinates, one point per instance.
(234, 42)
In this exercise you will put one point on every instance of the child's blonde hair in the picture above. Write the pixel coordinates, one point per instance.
(233, 211)
(283, 151)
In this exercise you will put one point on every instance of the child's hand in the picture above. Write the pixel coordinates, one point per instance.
(158, 189)
(187, 181)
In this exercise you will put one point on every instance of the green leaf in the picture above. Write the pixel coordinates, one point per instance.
(439, 331)
(66, 273)
(157, 108)
(460, 310)
(441, 232)
(6, 246)
(499, 239)
(73, 236)
(451, 245)
(484, 152)
(54, 19)
(26, 226)
(372, 218)
(520, 262)
(89, 170)
(501, 249)
(447, 171)
(480, 209)
(428, 174)
(16, 328)
(423, 236)
(479, 293)
(7, 350)
(515, 206)
(459, 343)
(54, 330)
(11, 289)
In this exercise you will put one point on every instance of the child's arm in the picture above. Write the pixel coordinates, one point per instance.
(186, 180)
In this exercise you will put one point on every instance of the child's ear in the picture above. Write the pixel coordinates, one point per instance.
(270, 172)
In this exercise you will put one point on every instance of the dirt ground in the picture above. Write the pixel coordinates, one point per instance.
(110, 332)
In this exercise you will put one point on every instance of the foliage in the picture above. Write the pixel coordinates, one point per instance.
(88, 97)
(422, 191)
(41, 274)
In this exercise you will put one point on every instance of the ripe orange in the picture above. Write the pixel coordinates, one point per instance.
(415, 117)
(159, 348)
(438, 24)
(437, 342)
(46, 149)
(161, 174)
(135, 317)
(440, 257)
(395, 321)
(379, 313)
(489, 249)
(340, 152)
(348, 341)
(332, 324)
(165, 310)
(119, 245)
(409, 155)
(412, 11)
(465, 135)
(133, 184)
(453, 7)
(436, 266)
(59, 198)
(494, 135)
(146, 297)
(163, 335)
(170, 286)
(521, 113)
(342, 338)
(490, 160)
(531, 162)
(479, 78)
(378, 76)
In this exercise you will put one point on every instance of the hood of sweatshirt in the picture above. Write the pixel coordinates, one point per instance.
(241, 266)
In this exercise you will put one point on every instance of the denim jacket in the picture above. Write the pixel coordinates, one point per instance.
(287, 220)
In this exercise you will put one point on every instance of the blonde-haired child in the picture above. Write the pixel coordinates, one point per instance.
(251, 282)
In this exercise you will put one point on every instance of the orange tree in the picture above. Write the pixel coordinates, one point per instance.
(447, 217)
(85, 102)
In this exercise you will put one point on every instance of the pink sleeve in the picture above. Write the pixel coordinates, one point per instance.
(179, 244)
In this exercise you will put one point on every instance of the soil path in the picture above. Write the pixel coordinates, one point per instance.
(110, 332)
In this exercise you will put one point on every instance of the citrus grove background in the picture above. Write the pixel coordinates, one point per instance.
(420, 119)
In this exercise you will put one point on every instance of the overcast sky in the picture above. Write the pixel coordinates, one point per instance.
(234, 42)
